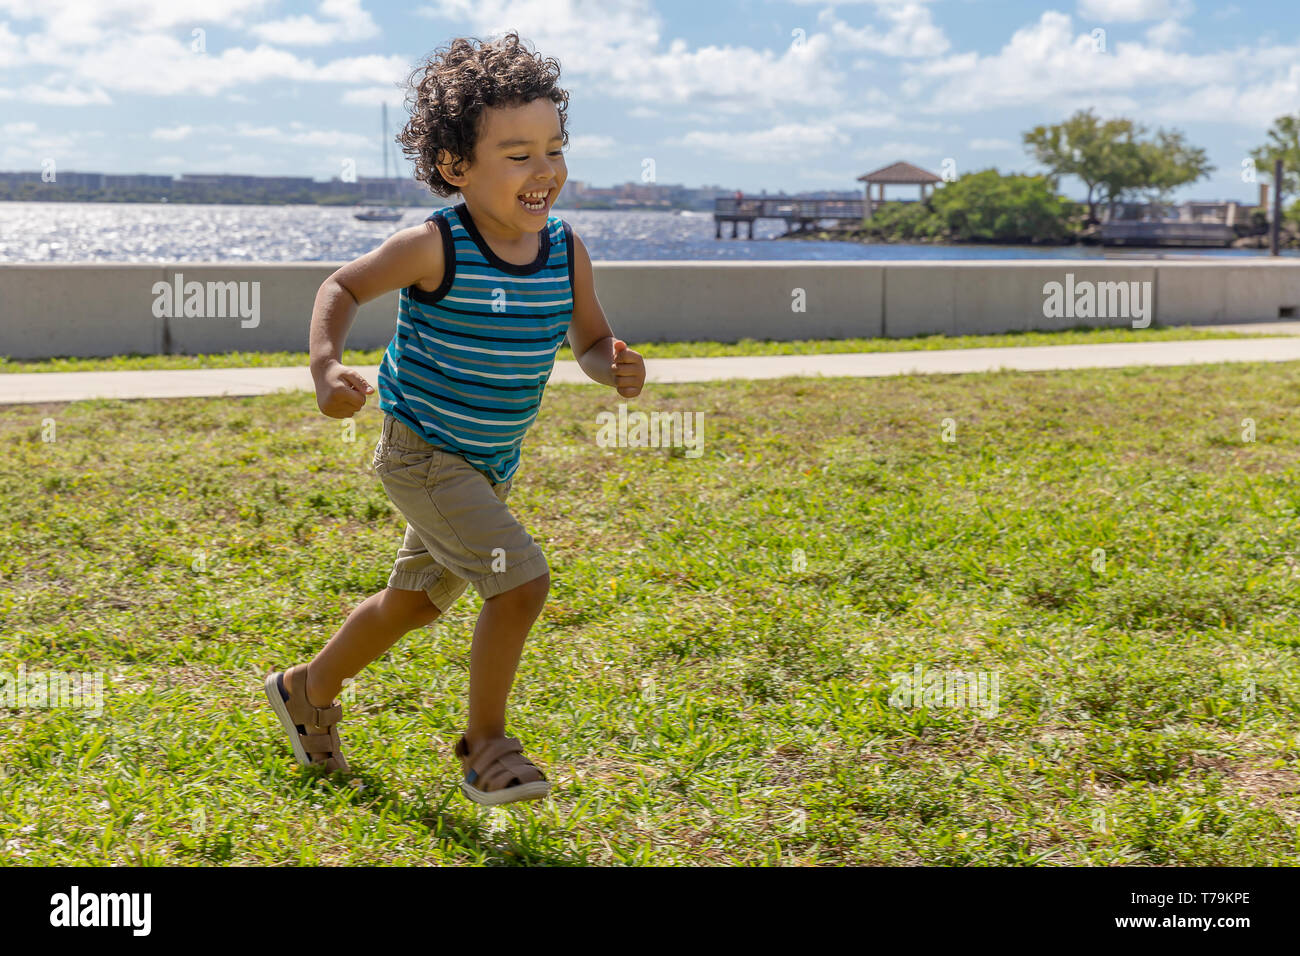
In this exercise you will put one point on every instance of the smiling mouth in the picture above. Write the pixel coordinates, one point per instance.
(535, 200)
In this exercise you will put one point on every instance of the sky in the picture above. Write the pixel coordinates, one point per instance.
(781, 95)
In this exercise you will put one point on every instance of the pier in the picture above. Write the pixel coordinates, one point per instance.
(799, 214)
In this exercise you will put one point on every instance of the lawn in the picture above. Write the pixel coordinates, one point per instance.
(652, 350)
(711, 679)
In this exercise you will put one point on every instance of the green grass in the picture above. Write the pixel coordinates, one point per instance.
(699, 691)
(654, 350)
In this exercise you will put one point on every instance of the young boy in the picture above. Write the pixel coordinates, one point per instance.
(489, 289)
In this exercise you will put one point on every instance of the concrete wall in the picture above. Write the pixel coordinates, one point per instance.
(93, 309)
(109, 309)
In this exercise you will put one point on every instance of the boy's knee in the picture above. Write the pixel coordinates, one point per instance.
(534, 590)
(540, 586)
(412, 608)
(423, 616)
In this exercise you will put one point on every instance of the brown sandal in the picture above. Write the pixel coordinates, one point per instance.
(311, 729)
(505, 774)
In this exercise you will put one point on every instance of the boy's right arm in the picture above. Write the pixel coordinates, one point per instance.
(405, 258)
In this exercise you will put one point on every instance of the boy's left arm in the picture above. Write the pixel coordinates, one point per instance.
(605, 358)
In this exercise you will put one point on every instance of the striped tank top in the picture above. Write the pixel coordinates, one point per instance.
(469, 362)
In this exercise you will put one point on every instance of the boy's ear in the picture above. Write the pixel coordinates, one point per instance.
(445, 164)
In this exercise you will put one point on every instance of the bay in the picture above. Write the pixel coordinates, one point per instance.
(166, 233)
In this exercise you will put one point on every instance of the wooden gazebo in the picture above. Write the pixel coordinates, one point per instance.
(897, 174)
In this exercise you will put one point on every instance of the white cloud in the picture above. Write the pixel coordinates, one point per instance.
(865, 120)
(992, 144)
(1254, 104)
(10, 46)
(133, 46)
(48, 95)
(1168, 33)
(792, 143)
(174, 69)
(881, 4)
(259, 132)
(24, 145)
(590, 146)
(734, 79)
(76, 23)
(331, 139)
(829, 179)
(1133, 11)
(617, 44)
(173, 133)
(1047, 63)
(912, 32)
(343, 20)
(295, 134)
(582, 34)
(363, 69)
(893, 152)
(299, 134)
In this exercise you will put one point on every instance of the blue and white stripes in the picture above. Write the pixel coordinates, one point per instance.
(469, 362)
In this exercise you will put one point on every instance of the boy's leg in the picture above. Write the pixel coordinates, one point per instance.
(372, 628)
(503, 625)
(460, 531)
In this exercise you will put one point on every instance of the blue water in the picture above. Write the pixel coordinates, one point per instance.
(161, 232)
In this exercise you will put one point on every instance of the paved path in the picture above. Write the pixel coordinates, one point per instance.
(47, 387)
(1257, 328)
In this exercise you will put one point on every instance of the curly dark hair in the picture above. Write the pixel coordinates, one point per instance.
(447, 93)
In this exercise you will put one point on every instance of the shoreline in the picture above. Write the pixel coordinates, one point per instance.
(1289, 239)
(331, 205)
(853, 235)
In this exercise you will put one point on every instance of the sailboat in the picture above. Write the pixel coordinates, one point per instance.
(370, 211)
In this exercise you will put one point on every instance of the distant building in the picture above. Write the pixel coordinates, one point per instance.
(62, 177)
(269, 184)
(400, 189)
(136, 181)
(1191, 223)
(241, 187)
(578, 193)
(1226, 212)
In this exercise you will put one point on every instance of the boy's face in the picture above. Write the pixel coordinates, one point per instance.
(518, 151)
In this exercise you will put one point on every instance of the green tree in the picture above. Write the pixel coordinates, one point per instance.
(988, 206)
(1152, 169)
(913, 220)
(1111, 157)
(1284, 144)
(1078, 147)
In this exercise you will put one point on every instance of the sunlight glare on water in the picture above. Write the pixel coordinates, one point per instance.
(163, 232)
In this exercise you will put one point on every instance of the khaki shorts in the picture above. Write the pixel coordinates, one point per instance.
(459, 530)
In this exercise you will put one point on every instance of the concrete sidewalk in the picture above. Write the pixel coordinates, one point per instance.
(49, 387)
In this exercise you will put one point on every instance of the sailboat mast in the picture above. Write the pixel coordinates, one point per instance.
(388, 211)
(384, 121)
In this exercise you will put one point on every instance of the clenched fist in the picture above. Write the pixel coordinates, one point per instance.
(628, 369)
(340, 391)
